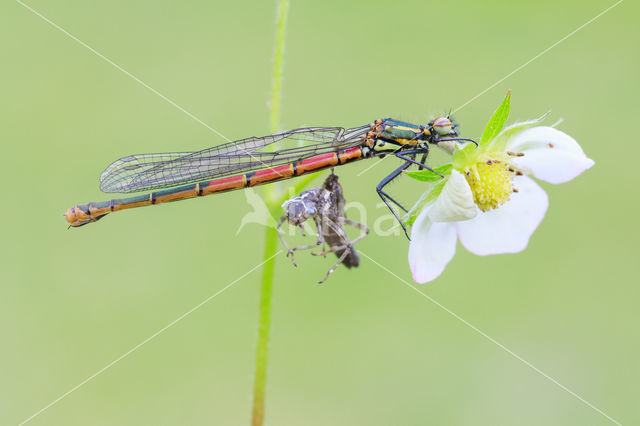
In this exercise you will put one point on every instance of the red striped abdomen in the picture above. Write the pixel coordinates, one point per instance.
(86, 213)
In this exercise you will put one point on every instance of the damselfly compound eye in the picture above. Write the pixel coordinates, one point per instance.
(442, 126)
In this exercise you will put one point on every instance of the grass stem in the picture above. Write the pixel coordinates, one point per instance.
(271, 236)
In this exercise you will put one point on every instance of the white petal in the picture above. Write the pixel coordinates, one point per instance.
(432, 246)
(508, 228)
(455, 202)
(549, 154)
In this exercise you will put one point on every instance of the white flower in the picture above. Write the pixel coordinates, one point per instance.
(488, 201)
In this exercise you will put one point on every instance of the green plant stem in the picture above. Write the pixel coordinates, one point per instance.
(278, 66)
(264, 324)
(271, 236)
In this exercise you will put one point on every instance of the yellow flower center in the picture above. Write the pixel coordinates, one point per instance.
(491, 183)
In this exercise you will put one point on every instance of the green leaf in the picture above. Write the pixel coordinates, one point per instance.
(497, 120)
(429, 176)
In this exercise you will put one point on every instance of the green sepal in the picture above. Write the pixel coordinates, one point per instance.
(499, 143)
(497, 120)
(463, 156)
(425, 200)
(429, 176)
(410, 221)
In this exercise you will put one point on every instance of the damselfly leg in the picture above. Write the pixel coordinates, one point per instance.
(386, 197)
(409, 157)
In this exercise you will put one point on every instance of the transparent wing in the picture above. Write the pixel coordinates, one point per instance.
(146, 172)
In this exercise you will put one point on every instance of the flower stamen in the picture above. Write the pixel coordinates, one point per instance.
(491, 183)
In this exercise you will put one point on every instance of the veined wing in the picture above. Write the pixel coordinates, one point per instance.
(155, 171)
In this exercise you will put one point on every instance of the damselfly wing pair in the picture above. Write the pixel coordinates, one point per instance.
(251, 162)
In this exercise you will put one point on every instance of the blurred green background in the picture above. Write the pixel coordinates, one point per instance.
(363, 349)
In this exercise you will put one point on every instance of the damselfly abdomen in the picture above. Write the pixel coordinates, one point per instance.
(250, 162)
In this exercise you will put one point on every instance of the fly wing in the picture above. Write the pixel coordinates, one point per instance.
(334, 233)
(154, 171)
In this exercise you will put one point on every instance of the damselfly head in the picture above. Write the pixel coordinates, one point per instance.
(443, 126)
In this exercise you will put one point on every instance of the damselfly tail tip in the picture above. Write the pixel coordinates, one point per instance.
(82, 215)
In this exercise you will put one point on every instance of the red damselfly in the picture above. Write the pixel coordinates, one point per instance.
(250, 162)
